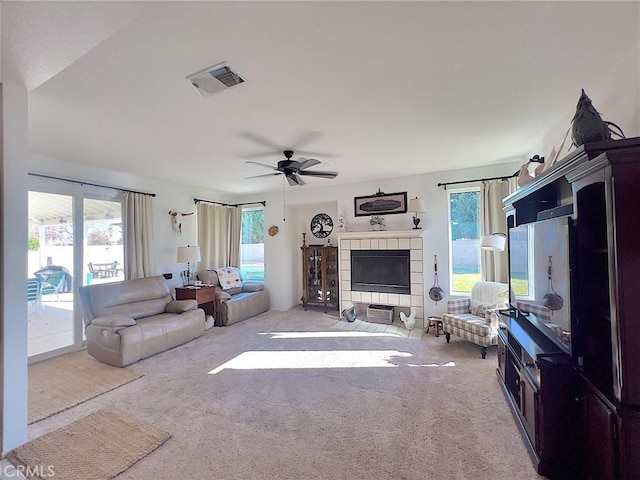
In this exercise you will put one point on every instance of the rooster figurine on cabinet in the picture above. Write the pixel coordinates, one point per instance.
(410, 321)
(350, 314)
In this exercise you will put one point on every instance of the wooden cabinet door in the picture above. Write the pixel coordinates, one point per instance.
(502, 357)
(599, 440)
(528, 405)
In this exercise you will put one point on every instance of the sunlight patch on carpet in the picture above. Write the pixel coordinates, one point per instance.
(336, 334)
(302, 359)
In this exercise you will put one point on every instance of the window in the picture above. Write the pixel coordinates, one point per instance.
(252, 244)
(464, 239)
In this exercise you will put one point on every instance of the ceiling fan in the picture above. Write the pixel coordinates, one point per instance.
(294, 169)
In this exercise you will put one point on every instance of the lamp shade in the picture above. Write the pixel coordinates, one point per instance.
(189, 254)
(416, 205)
(494, 242)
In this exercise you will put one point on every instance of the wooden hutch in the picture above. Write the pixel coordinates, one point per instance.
(320, 277)
(576, 395)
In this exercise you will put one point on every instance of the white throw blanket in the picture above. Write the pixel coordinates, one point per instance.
(228, 278)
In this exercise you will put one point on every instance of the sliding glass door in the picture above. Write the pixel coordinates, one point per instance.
(75, 239)
(103, 249)
(50, 268)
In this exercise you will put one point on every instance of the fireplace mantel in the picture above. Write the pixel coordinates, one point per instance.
(381, 234)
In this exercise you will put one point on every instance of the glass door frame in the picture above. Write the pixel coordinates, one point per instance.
(78, 192)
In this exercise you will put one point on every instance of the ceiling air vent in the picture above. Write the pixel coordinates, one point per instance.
(215, 79)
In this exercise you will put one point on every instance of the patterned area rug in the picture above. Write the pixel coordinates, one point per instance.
(65, 381)
(96, 447)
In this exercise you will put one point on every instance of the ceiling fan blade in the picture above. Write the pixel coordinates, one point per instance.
(261, 164)
(307, 162)
(262, 176)
(317, 173)
(294, 180)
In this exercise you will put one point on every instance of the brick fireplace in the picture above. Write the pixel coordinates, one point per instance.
(411, 240)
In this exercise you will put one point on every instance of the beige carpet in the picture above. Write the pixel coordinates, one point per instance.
(65, 381)
(287, 395)
(96, 447)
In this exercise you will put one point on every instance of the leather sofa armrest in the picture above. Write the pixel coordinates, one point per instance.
(116, 320)
(252, 287)
(180, 306)
(222, 296)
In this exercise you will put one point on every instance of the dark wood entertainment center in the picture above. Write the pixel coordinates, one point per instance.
(577, 401)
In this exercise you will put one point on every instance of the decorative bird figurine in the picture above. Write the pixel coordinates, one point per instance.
(588, 126)
(350, 314)
(524, 176)
(410, 321)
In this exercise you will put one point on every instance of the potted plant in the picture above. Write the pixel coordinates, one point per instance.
(377, 222)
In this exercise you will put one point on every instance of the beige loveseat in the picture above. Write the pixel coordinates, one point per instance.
(134, 319)
(239, 302)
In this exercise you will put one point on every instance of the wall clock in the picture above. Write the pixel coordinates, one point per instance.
(321, 225)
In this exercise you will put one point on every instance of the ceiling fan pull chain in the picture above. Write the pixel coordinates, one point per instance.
(284, 210)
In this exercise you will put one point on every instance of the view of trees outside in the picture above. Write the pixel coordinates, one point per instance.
(464, 208)
(252, 244)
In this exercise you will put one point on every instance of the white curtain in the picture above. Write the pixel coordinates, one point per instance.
(219, 235)
(494, 265)
(137, 230)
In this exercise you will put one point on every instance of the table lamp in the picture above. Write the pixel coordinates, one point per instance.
(416, 206)
(494, 242)
(189, 254)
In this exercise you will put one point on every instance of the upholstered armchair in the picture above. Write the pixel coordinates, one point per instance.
(476, 318)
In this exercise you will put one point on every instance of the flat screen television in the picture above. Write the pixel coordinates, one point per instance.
(540, 270)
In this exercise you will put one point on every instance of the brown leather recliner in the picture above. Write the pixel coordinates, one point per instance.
(134, 319)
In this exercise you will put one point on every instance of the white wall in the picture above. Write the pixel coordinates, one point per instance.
(282, 253)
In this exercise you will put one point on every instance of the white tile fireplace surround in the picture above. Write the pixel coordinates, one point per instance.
(412, 240)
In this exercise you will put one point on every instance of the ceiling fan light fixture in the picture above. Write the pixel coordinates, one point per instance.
(293, 169)
(216, 79)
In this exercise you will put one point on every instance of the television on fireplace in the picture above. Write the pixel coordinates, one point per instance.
(540, 270)
(383, 271)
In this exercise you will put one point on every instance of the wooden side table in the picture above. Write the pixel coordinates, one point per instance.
(205, 296)
(436, 322)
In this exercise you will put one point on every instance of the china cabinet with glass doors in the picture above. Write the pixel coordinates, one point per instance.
(320, 277)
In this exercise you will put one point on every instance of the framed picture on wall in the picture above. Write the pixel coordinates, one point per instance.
(380, 204)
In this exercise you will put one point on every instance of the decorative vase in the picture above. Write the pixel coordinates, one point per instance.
(375, 227)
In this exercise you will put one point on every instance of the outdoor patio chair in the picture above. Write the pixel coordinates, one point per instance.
(33, 292)
(53, 284)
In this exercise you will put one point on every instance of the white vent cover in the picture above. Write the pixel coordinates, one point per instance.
(215, 79)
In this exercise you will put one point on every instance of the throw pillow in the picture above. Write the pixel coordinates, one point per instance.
(229, 277)
(480, 308)
(114, 320)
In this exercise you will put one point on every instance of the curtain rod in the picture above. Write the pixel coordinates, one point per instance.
(503, 178)
(198, 200)
(80, 182)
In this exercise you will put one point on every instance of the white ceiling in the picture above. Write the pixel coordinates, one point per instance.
(372, 89)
